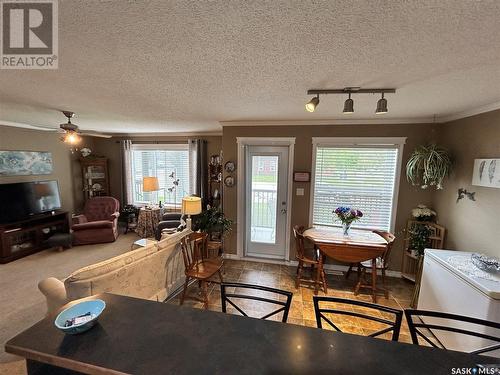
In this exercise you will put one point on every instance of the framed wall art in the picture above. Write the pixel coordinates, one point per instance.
(25, 163)
(486, 173)
(301, 176)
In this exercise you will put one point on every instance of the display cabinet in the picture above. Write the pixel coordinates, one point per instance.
(95, 176)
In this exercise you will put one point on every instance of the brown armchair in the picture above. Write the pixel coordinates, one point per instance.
(98, 223)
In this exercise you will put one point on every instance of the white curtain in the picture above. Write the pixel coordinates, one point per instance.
(126, 148)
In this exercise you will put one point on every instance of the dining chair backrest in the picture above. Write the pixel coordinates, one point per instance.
(389, 238)
(193, 248)
(459, 324)
(256, 293)
(299, 240)
(330, 306)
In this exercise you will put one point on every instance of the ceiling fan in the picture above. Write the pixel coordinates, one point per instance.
(71, 133)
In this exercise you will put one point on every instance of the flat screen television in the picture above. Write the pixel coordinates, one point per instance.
(22, 200)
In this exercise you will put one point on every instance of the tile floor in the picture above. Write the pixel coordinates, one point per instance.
(302, 310)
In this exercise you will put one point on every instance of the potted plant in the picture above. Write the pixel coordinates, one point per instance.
(428, 166)
(211, 221)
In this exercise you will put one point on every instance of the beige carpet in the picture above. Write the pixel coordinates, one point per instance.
(21, 303)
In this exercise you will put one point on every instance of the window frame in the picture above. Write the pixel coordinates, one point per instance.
(397, 142)
(154, 147)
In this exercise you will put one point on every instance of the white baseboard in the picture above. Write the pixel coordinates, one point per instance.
(335, 269)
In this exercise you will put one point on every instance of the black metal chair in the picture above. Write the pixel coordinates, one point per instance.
(226, 298)
(394, 324)
(416, 324)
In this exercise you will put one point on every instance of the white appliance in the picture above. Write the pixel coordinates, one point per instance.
(451, 284)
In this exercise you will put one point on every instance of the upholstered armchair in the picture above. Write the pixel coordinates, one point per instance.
(169, 221)
(98, 223)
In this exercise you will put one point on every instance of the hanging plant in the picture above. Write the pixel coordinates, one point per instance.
(428, 166)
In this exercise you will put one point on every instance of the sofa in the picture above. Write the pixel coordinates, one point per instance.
(152, 272)
(98, 223)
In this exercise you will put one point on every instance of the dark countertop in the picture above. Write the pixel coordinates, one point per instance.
(143, 337)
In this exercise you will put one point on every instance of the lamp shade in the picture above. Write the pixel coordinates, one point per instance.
(348, 106)
(150, 184)
(191, 205)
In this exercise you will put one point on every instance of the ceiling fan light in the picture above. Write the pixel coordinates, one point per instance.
(312, 104)
(72, 138)
(348, 106)
(381, 106)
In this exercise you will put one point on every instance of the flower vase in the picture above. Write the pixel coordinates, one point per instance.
(346, 227)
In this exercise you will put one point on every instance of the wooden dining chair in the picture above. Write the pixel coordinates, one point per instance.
(256, 293)
(382, 263)
(459, 324)
(196, 267)
(371, 312)
(304, 260)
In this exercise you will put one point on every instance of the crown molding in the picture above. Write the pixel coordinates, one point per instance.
(166, 134)
(380, 121)
(470, 112)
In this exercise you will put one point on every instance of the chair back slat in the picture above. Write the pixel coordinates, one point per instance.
(227, 297)
(389, 238)
(299, 240)
(393, 324)
(441, 321)
(193, 248)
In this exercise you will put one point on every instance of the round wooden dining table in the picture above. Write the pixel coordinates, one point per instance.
(359, 246)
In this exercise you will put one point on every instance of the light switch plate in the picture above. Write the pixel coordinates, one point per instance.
(300, 191)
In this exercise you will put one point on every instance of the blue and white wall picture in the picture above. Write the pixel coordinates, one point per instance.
(25, 163)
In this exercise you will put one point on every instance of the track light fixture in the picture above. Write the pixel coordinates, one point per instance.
(348, 106)
(312, 104)
(349, 103)
(381, 106)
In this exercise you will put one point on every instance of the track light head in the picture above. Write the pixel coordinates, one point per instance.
(381, 106)
(348, 106)
(312, 104)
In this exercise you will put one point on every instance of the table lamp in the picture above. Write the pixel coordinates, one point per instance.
(150, 184)
(191, 206)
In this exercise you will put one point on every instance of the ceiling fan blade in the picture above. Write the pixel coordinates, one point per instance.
(27, 126)
(94, 134)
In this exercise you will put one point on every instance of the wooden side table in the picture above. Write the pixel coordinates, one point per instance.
(147, 222)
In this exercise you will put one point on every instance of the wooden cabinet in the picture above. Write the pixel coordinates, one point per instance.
(215, 181)
(95, 176)
(22, 238)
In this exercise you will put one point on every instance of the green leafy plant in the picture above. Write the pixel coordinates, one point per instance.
(419, 236)
(428, 166)
(212, 220)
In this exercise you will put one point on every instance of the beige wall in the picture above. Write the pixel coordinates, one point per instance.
(66, 169)
(409, 196)
(471, 226)
(110, 148)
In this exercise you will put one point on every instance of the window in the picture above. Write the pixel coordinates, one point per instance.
(360, 173)
(160, 160)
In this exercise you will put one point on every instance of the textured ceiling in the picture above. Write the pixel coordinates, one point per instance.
(166, 66)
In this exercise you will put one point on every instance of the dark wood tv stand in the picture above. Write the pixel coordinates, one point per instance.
(21, 238)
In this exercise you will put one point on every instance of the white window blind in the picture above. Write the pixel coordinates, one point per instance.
(358, 176)
(160, 160)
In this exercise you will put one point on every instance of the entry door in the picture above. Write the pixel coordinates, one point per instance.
(266, 182)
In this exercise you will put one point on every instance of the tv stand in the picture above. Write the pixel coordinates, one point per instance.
(21, 238)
